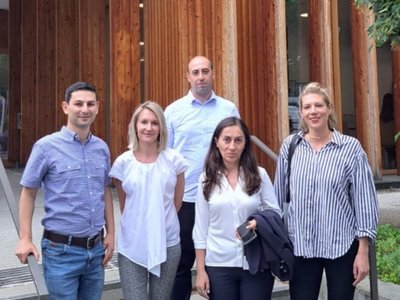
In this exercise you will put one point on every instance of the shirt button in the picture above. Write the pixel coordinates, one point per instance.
(92, 210)
(88, 176)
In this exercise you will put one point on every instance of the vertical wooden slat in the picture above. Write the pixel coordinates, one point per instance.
(46, 70)
(261, 40)
(124, 70)
(229, 79)
(67, 55)
(365, 86)
(92, 56)
(282, 112)
(14, 80)
(320, 43)
(337, 93)
(396, 98)
(29, 107)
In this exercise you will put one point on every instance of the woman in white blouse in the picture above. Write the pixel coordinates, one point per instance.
(150, 184)
(231, 188)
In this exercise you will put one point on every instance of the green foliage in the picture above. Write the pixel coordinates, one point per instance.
(387, 20)
(388, 253)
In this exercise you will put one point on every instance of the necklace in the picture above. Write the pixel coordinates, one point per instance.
(320, 138)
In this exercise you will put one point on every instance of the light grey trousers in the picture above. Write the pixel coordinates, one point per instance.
(138, 284)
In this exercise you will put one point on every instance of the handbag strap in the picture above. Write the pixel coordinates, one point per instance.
(293, 144)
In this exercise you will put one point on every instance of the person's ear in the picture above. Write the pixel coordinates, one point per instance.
(64, 106)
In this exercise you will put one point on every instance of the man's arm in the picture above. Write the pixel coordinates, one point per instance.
(109, 240)
(26, 208)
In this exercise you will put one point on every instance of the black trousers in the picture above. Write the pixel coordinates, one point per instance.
(182, 288)
(306, 281)
(238, 284)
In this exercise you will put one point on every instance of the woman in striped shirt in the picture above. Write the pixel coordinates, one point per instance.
(333, 212)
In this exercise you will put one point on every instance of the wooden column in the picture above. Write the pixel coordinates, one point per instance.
(46, 67)
(396, 99)
(366, 87)
(262, 72)
(29, 108)
(67, 52)
(14, 80)
(124, 70)
(229, 46)
(92, 56)
(281, 75)
(320, 42)
(324, 49)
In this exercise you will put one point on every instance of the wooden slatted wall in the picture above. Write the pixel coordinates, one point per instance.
(124, 70)
(46, 69)
(67, 52)
(176, 31)
(92, 55)
(29, 103)
(53, 44)
(14, 80)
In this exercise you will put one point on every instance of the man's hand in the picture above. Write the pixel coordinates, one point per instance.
(109, 244)
(25, 247)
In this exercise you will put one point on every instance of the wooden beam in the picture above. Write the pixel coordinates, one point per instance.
(366, 87)
(320, 44)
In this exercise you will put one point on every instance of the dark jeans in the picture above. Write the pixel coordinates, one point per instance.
(182, 288)
(238, 284)
(307, 276)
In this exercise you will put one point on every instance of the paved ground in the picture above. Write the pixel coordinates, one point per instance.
(389, 205)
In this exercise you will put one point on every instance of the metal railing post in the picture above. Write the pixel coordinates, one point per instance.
(373, 274)
(37, 276)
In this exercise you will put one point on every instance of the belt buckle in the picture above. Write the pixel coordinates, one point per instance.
(88, 241)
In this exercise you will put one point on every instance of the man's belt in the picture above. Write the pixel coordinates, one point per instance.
(87, 243)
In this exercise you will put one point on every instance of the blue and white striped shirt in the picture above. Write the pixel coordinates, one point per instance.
(73, 176)
(332, 196)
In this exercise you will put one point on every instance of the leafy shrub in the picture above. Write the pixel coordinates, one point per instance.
(388, 253)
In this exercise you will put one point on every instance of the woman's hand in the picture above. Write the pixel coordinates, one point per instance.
(202, 283)
(361, 262)
(252, 224)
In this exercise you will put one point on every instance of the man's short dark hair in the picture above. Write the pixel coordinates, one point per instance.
(78, 86)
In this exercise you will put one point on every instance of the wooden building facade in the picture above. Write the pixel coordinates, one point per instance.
(136, 50)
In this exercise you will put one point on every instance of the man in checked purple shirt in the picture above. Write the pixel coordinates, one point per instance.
(71, 166)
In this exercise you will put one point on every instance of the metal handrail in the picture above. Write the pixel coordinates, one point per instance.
(373, 274)
(37, 276)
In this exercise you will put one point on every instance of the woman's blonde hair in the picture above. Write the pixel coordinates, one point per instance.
(132, 130)
(315, 88)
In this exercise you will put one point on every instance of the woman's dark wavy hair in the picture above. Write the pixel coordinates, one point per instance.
(214, 164)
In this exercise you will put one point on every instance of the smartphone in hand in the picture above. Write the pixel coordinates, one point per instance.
(246, 235)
